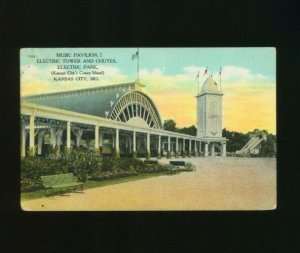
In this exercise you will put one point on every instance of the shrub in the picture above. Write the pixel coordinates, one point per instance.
(171, 168)
(32, 168)
(81, 163)
(189, 166)
(119, 164)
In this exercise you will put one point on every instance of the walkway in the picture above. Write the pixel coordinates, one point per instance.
(219, 183)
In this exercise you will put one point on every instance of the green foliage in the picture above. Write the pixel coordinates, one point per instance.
(235, 141)
(119, 164)
(189, 166)
(170, 125)
(84, 165)
(238, 140)
(268, 147)
(191, 130)
(115, 153)
(81, 163)
(32, 168)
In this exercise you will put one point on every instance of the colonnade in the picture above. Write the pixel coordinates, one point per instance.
(165, 140)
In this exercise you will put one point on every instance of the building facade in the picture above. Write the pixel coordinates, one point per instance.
(117, 118)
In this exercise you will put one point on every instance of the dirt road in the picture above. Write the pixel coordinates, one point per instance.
(219, 183)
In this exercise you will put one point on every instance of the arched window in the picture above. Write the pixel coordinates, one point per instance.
(136, 108)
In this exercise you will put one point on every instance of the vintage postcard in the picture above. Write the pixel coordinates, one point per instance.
(148, 129)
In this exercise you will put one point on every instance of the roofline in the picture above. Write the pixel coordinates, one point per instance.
(65, 115)
(77, 90)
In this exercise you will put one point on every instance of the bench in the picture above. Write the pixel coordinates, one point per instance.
(176, 166)
(150, 162)
(178, 163)
(60, 181)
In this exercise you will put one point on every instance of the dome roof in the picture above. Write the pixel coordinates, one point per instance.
(210, 86)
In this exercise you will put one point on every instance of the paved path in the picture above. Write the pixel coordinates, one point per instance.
(219, 183)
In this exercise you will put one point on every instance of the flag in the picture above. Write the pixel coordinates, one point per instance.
(205, 72)
(136, 55)
(220, 71)
(197, 77)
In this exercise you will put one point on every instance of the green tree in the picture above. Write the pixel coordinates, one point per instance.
(191, 130)
(170, 125)
(237, 140)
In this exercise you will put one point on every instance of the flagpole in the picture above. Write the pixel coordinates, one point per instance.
(220, 79)
(198, 85)
(138, 64)
(198, 82)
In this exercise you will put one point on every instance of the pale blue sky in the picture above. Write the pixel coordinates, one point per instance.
(172, 61)
(248, 79)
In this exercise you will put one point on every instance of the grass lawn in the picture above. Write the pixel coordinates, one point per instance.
(93, 184)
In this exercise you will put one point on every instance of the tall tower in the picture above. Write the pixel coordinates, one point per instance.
(209, 110)
(209, 117)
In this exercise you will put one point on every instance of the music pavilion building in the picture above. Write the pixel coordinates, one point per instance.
(118, 118)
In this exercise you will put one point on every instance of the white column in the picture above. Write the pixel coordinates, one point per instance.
(148, 142)
(169, 144)
(129, 144)
(53, 137)
(134, 142)
(40, 141)
(23, 139)
(117, 140)
(78, 134)
(190, 146)
(113, 141)
(200, 148)
(68, 134)
(195, 147)
(159, 144)
(212, 153)
(100, 138)
(176, 147)
(58, 137)
(183, 145)
(31, 135)
(206, 149)
(224, 149)
(96, 138)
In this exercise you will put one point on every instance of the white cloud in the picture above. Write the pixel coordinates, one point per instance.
(29, 71)
(240, 85)
(109, 70)
(194, 70)
(232, 72)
